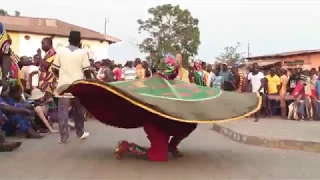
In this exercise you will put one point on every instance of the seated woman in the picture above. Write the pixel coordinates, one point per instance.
(6, 146)
(19, 114)
(41, 107)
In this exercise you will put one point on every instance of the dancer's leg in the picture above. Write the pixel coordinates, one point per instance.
(176, 139)
(158, 150)
(159, 145)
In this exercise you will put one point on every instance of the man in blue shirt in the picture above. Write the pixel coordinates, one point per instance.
(5, 146)
(227, 77)
(216, 80)
(225, 73)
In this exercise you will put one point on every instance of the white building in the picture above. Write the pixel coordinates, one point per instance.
(26, 34)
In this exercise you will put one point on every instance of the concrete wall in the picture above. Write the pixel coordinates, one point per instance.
(23, 47)
(15, 41)
(310, 60)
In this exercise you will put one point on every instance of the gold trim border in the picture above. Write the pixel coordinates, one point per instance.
(136, 103)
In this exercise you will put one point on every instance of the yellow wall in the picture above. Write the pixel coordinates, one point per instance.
(15, 37)
(23, 47)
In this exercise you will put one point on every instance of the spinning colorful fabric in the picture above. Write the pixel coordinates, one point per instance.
(168, 110)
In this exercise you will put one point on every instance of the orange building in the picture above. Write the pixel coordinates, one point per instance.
(305, 59)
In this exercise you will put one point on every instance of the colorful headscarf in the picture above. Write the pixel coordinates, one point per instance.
(197, 65)
(4, 41)
(170, 66)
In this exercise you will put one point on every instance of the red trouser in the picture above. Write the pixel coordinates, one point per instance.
(159, 139)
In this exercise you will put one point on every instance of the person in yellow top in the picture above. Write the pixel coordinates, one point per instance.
(273, 82)
(283, 92)
(183, 74)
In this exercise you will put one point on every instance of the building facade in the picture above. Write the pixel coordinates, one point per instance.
(305, 59)
(26, 34)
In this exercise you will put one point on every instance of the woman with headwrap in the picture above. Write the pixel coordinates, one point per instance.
(199, 76)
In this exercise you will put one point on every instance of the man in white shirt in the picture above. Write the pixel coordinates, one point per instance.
(71, 64)
(257, 80)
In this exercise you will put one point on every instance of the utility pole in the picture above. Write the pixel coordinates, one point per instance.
(106, 22)
(248, 49)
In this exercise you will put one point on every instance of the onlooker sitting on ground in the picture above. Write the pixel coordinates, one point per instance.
(18, 113)
(41, 107)
(6, 146)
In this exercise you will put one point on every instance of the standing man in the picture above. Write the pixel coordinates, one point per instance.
(273, 87)
(216, 80)
(237, 79)
(273, 82)
(71, 64)
(283, 92)
(227, 77)
(47, 79)
(257, 81)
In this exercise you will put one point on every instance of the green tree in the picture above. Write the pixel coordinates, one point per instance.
(5, 13)
(17, 13)
(171, 30)
(231, 55)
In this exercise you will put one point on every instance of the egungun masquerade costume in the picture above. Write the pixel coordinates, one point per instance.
(168, 110)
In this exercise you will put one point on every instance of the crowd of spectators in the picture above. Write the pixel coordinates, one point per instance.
(29, 107)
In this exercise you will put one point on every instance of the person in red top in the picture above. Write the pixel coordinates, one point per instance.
(302, 91)
(117, 72)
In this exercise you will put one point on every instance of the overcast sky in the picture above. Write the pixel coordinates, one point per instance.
(269, 26)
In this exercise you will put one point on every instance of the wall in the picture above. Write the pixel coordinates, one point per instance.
(315, 60)
(15, 37)
(310, 60)
(23, 47)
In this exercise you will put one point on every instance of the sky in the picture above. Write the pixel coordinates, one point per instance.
(269, 26)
